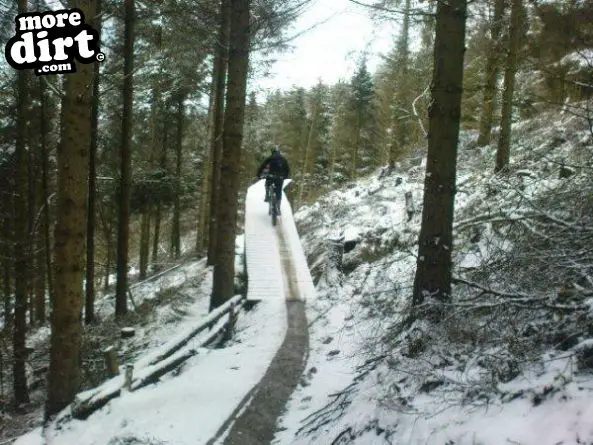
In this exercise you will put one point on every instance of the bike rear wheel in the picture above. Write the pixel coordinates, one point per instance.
(274, 208)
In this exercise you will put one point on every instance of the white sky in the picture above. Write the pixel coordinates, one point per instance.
(330, 50)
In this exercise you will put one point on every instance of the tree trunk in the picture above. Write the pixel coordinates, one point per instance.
(176, 232)
(491, 75)
(21, 265)
(108, 260)
(306, 160)
(356, 150)
(504, 140)
(70, 234)
(89, 308)
(144, 241)
(204, 216)
(7, 273)
(40, 258)
(158, 212)
(399, 136)
(45, 186)
(31, 209)
(157, 233)
(433, 272)
(224, 267)
(147, 208)
(220, 70)
(123, 230)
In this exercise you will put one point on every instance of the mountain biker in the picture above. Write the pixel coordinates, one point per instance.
(276, 165)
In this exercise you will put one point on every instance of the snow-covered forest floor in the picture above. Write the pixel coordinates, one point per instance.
(510, 363)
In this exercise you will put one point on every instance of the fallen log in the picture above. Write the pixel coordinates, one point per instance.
(209, 321)
(90, 401)
(152, 373)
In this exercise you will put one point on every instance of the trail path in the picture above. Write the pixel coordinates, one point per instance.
(277, 269)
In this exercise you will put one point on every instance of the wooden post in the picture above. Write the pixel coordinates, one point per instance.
(128, 376)
(111, 361)
(410, 210)
(230, 325)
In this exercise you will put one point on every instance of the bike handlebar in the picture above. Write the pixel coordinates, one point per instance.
(271, 176)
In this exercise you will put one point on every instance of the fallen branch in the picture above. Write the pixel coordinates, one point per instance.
(155, 276)
(515, 299)
(340, 400)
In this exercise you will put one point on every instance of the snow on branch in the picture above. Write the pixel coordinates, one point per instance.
(515, 299)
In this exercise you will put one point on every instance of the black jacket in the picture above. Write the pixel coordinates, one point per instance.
(278, 165)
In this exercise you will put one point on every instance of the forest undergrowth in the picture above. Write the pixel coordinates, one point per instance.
(520, 322)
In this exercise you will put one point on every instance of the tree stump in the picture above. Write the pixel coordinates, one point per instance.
(127, 332)
(566, 172)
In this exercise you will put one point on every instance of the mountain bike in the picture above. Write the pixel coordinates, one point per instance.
(272, 199)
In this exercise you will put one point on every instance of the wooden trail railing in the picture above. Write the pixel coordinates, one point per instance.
(171, 356)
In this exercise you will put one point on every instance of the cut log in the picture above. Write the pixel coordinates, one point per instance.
(127, 332)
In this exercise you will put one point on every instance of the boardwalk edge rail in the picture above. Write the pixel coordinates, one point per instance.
(173, 354)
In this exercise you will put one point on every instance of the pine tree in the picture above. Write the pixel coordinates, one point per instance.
(123, 236)
(70, 231)
(504, 141)
(491, 74)
(362, 106)
(239, 43)
(317, 153)
(433, 271)
(22, 262)
(219, 75)
(89, 308)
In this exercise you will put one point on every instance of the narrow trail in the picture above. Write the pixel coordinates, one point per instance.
(256, 424)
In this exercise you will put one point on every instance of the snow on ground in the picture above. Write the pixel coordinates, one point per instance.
(190, 405)
(346, 397)
(355, 390)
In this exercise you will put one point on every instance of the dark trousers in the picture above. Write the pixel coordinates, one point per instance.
(278, 182)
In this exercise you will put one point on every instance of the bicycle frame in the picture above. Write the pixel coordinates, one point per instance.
(273, 200)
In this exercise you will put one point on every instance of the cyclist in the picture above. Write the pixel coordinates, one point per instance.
(276, 165)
